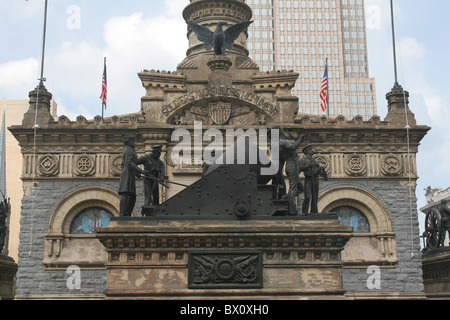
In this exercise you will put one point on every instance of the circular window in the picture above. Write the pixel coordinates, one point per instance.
(352, 217)
(87, 221)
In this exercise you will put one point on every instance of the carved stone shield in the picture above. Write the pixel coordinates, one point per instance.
(220, 112)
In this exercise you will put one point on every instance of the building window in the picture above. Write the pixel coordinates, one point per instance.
(87, 221)
(352, 217)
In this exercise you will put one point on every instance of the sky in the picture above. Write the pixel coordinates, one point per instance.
(151, 34)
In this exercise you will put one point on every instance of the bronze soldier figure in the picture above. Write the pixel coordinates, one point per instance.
(289, 161)
(155, 169)
(312, 171)
(130, 170)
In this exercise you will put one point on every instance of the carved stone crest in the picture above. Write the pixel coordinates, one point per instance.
(84, 165)
(220, 112)
(355, 165)
(392, 165)
(230, 270)
(48, 166)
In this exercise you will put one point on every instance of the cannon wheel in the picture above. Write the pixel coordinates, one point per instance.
(433, 229)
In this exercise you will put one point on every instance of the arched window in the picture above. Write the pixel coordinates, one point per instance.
(90, 219)
(352, 217)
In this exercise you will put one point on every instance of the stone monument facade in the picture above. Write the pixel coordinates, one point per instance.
(74, 245)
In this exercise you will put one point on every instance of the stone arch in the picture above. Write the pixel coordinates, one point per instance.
(360, 199)
(79, 200)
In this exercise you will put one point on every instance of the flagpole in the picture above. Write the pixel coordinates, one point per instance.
(103, 86)
(103, 101)
(328, 86)
(42, 79)
(396, 84)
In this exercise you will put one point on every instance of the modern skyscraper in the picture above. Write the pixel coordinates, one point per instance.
(304, 35)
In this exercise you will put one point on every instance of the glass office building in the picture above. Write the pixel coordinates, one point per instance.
(304, 35)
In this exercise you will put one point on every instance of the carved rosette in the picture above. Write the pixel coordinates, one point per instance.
(48, 165)
(84, 165)
(355, 165)
(392, 165)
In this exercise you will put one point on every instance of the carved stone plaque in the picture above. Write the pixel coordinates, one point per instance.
(392, 165)
(48, 166)
(84, 165)
(225, 270)
(356, 165)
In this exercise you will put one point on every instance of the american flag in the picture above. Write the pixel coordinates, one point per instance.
(104, 88)
(324, 91)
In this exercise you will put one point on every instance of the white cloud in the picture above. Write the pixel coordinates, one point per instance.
(18, 78)
(76, 69)
(412, 57)
(410, 52)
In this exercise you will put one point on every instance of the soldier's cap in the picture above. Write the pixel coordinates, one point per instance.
(307, 147)
(157, 148)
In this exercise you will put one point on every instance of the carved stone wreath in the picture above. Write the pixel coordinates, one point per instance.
(355, 165)
(84, 165)
(216, 270)
(48, 166)
(392, 165)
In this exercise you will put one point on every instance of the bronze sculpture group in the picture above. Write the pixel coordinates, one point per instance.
(154, 175)
(293, 167)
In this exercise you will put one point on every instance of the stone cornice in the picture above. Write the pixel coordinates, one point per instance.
(211, 10)
(275, 79)
(162, 79)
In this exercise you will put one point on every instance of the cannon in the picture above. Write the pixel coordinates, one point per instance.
(229, 190)
(437, 223)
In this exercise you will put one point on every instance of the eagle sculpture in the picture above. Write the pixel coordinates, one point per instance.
(219, 39)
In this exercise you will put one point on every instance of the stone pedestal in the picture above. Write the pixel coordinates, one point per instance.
(436, 273)
(208, 259)
(8, 270)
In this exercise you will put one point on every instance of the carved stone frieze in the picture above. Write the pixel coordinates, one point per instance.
(221, 113)
(204, 10)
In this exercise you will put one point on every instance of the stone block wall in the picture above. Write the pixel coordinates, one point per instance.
(34, 280)
(406, 277)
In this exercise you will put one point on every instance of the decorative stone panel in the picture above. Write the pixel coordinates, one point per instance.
(84, 165)
(355, 165)
(392, 165)
(48, 165)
